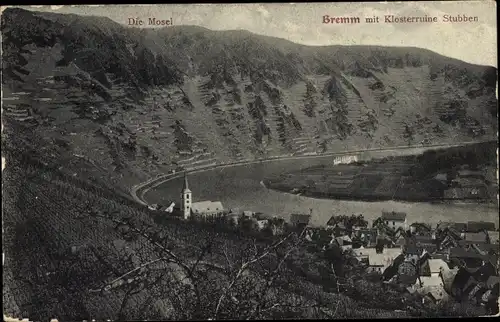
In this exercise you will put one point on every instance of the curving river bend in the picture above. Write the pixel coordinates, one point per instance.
(240, 187)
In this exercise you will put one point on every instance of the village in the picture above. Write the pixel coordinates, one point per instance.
(454, 259)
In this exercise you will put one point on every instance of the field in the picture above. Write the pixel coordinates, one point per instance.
(432, 176)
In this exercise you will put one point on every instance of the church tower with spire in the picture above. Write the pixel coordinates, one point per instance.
(186, 199)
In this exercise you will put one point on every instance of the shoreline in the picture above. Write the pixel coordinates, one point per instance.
(137, 191)
(314, 195)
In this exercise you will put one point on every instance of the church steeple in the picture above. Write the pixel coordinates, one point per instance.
(186, 198)
(185, 188)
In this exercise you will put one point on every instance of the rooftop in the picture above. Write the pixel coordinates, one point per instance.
(380, 260)
(492, 281)
(459, 252)
(331, 221)
(459, 226)
(393, 215)
(436, 264)
(207, 206)
(475, 226)
(431, 281)
(300, 218)
(421, 225)
(475, 237)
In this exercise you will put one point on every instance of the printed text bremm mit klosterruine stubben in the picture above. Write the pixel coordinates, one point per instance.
(326, 19)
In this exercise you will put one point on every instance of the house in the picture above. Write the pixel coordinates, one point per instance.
(412, 253)
(260, 216)
(466, 173)
(187, 207)
(437, 295)
(468, 182)
(474, 283)
(153, 207)
(431, 282)
(424, 242)
(448, 238)
(441, 177)
(457, 226)
(344, 242)
(207, 208)
(277, 226)
(331, 222)
(401, 242)
(338, 229)
(378, 263)
(477, 226)
(466, 192)
(493, 282)
(494, 236)
(399, 232)
(383, 241)
(233, 218)
(263, 223)
(248, 214)
(467, 258)
(436, 266)
(474, 238)
(366, 235)
(420, 229)
(300, 220)
(170, 209)
(394, 219)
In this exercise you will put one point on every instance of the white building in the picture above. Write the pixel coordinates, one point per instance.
(345, 159)
(203, 208)
(186, 199)
(394, 219)
(207, 207)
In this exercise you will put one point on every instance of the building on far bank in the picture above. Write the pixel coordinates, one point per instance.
(345, 159)
(479, 192)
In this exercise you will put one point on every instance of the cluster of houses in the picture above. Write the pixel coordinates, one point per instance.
(467, 184)
(451, 259)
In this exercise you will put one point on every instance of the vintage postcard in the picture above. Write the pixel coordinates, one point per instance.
(250, 161)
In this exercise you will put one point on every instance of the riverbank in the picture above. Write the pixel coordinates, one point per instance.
(138, 191)
(457, 174)
(365, 198)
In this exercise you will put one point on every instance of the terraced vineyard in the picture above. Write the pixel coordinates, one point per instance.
(395, 178)
(141, 103)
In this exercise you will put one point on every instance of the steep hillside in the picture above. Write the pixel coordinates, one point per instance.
(136, 103)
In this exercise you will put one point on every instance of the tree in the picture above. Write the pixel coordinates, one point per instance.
(242, 279)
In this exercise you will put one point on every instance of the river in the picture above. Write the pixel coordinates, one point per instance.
(240, 187)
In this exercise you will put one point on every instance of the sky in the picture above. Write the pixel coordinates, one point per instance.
(473, 42)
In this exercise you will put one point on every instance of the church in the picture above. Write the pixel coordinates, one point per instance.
(188, 208)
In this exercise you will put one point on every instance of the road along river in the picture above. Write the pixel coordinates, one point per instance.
(239, 186)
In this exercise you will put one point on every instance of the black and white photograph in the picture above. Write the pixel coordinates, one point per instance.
(251, 161)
